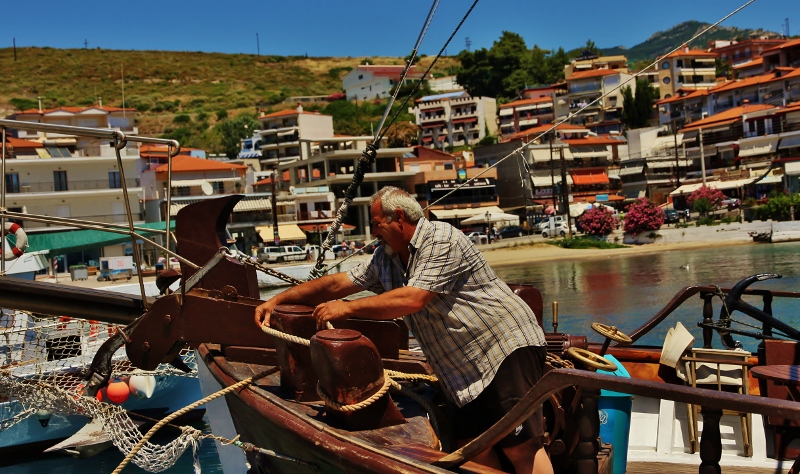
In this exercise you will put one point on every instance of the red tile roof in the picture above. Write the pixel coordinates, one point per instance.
(593, 73)
(536, 131)
(691, 52)
(726, 117)
(690, 94)
(286, 113)
(518, 103)
(788, 44)
(19, 143)
(74, 110)
(756, 62)
(594, 141)
(737, 84)
(189, 163)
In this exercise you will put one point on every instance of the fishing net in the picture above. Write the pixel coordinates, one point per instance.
(43, 362)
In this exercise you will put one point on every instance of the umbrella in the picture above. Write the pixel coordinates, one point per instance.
(550, 210)
(493, 217)
(576, 210)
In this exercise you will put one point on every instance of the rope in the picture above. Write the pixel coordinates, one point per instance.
(286, 337)
(387, 384)
(184, 410)
(404, 376)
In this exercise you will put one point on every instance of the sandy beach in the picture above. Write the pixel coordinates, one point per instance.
(534, 252)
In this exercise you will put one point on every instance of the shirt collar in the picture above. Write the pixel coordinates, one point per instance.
(419, 234)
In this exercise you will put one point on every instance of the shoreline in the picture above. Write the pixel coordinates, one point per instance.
(539, 252)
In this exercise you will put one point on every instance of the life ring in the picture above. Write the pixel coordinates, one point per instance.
(22, 241)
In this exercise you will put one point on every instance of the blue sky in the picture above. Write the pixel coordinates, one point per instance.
(359, 27)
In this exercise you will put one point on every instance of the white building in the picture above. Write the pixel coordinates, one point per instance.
(455, 119)
(280, 134)
(367, 82)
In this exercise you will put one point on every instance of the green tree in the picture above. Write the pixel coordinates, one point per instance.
(637, 109)
(231, 132)
(402, 134)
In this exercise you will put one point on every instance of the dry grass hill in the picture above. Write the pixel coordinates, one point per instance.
(163, 84)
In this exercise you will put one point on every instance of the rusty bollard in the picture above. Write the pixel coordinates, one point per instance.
(298, 378)
(350, 370)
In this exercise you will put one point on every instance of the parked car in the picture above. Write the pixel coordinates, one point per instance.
(512, 231)
(730, 203)
(561, 229)
(545, 224)
(281, 254)
(478, 238)
(671, 216)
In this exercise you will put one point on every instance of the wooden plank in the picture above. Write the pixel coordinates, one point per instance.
(662, 467)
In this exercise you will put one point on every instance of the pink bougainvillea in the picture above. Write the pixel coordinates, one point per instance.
(643, 215)
(713, 195)
(597, 221)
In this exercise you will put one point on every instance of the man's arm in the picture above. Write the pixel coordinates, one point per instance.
(309, 293)
(390, 305)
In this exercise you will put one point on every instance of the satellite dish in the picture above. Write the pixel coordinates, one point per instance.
(207, 189)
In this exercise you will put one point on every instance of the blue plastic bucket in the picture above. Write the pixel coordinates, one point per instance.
(615, 418)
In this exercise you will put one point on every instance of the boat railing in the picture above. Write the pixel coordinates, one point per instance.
(590, 383)
(707, 294)
(119, 139)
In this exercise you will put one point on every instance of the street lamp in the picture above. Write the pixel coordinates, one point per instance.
(488, 217)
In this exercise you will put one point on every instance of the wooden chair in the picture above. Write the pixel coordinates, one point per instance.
(715, 369)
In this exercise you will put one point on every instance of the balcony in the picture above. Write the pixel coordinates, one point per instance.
(432, 118)
(585, 88)
(74, 186)
(312, 215)
(105, 218)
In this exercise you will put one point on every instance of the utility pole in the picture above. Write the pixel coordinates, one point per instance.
(702, 157)
(552, 178)
(564, 190)
(468, 42)
(258, 46)
(85, 44)
(275, 235)
(677, 161)
(15, 49)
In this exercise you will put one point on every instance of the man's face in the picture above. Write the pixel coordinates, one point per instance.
(384, 229)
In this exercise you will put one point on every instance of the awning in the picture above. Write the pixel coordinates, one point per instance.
(465, 213)
(631, 170)
(634, 191)
(250, 154)
(789, 142)
(686, 189)
(760, 146)
(792, 168)
(771, 179)
(465, 120)
(60, 243)
(507, 111)
(247, 204)
(185, 183)
(731, 184)
(589, 177)
(285, 232)
(545, 182)
(590, 151)
(543, 154)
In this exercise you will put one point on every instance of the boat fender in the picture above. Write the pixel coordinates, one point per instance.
(118, 392)
(142, 386)
(44, 417)
(21, 244)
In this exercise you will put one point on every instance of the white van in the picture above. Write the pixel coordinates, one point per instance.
(281, 254)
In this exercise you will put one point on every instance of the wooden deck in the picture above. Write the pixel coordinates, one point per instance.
(663, 467)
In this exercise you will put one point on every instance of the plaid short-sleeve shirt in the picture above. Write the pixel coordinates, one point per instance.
(473, 322)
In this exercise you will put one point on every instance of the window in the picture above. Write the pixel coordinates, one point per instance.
(665, 65)
(219, 187)
(12, 182)
(666, 80)
(114, 180)
(60, 181)
(679, 63)
(360, 76)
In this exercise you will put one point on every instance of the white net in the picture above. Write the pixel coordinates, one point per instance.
(43, 362)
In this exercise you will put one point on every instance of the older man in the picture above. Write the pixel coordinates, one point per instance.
(483, 341)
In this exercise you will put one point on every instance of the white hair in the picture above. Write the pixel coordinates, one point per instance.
(393, 198)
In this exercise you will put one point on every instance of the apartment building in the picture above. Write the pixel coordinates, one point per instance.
(589, 61)
(785, 55)
(280, 134)
(455, 119)
(655, 163)
(368, 82)
(75, 177)
(601, 116)
(686, 69)
(740, 52)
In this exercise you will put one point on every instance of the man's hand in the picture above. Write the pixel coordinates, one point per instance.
(264, 311)
(330, 311)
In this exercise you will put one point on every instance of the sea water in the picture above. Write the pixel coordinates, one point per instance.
(621, 291)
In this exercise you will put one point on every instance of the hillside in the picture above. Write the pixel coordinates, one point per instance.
(165, 84)
(663, 41)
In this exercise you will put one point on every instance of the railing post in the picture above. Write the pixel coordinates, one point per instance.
(710, 441)
(708, 318)
(588, 432)
(766, 328)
